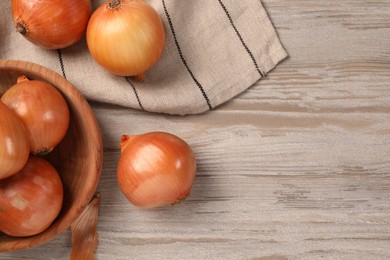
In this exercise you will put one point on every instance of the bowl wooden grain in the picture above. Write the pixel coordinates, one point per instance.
(78, 158)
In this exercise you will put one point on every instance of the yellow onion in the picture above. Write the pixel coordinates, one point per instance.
(155, 169)
(126, 37)
(14, 142)
(51, 24)
(43, 111)
(31, 199)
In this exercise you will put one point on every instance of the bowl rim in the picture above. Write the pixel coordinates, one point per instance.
(37, 71)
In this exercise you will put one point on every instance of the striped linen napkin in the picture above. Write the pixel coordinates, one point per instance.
(215, 50)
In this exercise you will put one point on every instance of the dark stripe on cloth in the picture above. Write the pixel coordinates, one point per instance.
(61, 63)
(136, 93)
(241, 39)
(182, 57)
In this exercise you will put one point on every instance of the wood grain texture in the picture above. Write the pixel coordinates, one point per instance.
(297, 167)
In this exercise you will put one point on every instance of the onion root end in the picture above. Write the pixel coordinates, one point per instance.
(21, 28)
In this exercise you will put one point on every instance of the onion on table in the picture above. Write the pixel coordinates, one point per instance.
(126, 37)
(53, 24)
(155, 169)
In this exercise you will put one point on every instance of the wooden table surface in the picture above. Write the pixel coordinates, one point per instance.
(297, 167)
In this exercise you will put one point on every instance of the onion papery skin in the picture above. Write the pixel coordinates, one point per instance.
(53, 24)
(43, 111)
(14, 142)
(126, 39)
(155, 169)
(31, 199)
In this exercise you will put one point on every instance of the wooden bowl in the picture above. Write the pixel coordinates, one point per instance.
(78, 158)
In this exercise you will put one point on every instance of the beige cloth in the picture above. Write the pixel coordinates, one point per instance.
(215, 49)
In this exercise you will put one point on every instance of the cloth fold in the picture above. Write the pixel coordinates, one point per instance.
(215, 50)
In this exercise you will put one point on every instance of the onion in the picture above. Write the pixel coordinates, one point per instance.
(155, 169)
(51, 24)
(126, 37)
(14, 142)
(42, 109)
(31, 199)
